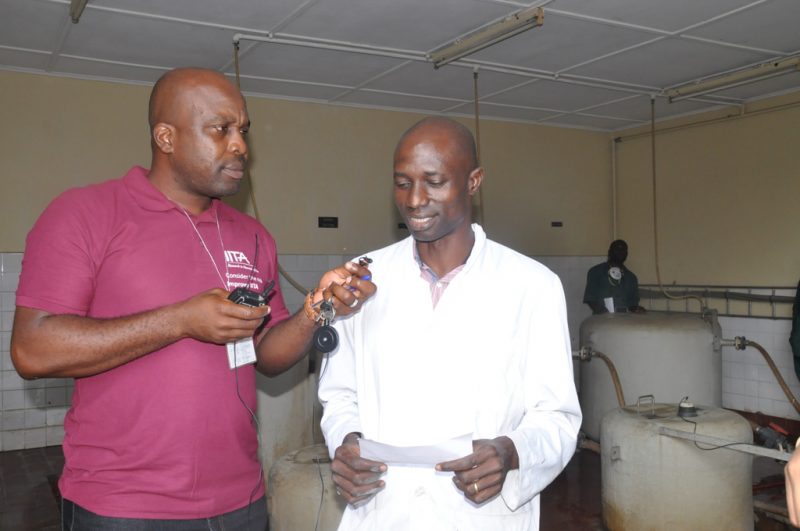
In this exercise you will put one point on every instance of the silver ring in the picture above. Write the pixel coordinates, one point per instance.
(354, 303)
(339, 492)
(475, 487)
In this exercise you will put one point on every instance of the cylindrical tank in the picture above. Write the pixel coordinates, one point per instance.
(656, 482)
(301, 493)
(287, 400)
(664, 354)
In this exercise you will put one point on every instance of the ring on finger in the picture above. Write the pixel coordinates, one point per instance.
(354, 303)
(475, 487)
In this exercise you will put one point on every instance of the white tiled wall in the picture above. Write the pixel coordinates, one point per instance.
(748, 384)
(32, 412)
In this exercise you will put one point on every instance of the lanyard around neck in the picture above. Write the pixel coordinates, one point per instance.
(222, 244)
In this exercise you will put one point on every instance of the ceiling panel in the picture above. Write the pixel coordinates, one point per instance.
(598, 123)
(449, 81)
(24, 59)
(101, 69)
(562, 42)
(250, 14)
(31, 24)
(503, 112)
(771, 25)
(638, 108)
(129, 39)
(313, 65)
(556, 95)
(669, 15)
(669, 61)
(593, 64)
(407, 24)
(397, 101)
(286, 89)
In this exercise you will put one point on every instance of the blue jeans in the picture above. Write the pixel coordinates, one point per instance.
(249, 518)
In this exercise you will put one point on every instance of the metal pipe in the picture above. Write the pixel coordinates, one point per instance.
(716, 442)
(742, 342)
(710, 121)
(294, 283)
(586, 354)
(587, 444)
(414, 55)
(614, 188)
(339, 46)
(732, 295)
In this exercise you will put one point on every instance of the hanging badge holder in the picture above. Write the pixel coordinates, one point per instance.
(241, 352)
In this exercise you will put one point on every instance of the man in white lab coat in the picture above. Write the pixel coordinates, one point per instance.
(464, 336)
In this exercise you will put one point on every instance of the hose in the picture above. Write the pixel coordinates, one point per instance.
(295, 284)
(655, 211)
(586, 354)
(742, 342)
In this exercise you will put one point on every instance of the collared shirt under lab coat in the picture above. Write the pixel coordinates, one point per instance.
(492, 358)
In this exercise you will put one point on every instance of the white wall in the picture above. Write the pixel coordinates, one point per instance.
(32, 412)
(748, 384)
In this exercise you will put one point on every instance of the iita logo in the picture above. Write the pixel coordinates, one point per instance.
(236, 257)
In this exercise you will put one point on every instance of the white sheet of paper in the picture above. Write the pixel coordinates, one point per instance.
(424, 456)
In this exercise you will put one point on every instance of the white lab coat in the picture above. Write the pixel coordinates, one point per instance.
(492, 358)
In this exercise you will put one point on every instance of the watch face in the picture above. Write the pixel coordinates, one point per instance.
(615, 273)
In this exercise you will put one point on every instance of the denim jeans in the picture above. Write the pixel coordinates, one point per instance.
(249, 518)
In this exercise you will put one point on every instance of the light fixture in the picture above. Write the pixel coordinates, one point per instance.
(488, 35)
(76, 9)
(734, 79)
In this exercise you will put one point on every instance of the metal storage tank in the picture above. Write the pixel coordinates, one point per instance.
(657, 482)
(669, 355)
(301, 493)
(287, 400)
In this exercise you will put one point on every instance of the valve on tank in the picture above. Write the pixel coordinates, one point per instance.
(686, 408)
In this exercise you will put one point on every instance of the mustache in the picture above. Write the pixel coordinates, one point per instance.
(238, 162)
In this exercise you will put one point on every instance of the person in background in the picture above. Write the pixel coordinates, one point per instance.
(464, 337)
(125, 286)
(794, 336)
(610, 286)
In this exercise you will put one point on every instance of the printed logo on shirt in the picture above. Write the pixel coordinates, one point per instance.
(236, 257)
(241, 273)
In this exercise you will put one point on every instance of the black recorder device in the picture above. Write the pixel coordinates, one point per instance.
(252, 298)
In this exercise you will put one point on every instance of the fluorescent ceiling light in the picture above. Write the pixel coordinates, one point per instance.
(488, 35)
(734, 79)
(76, 9)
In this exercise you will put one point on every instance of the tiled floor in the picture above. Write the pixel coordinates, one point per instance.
(29, 497)
(572, 501)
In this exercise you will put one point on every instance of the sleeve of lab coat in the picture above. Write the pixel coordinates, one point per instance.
(337, 389)
(546, 437)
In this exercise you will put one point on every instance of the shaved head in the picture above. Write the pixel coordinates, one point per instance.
(462, 143)
(168, 95)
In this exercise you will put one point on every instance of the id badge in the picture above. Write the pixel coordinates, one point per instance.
(241, 352)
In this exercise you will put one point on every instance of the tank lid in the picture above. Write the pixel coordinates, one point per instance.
(652, 411)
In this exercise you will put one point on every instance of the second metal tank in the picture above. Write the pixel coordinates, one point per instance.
(664, 354)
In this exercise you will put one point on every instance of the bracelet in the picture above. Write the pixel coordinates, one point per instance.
(308, 307)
